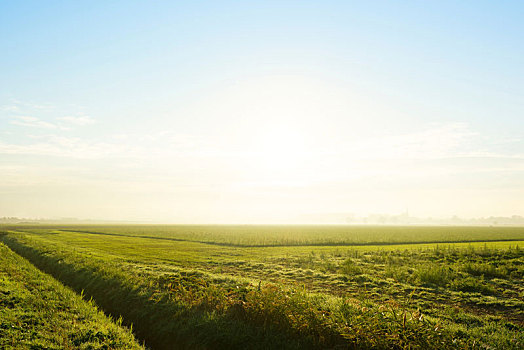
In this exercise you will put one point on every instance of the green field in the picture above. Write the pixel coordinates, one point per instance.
(273, 287)
(295, 235)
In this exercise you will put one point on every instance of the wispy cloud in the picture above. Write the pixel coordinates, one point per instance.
(32, 122)
(69, 147)
(62, 123)
(10, 108)
(44, 116)
(81, 120)
(158, 146)
(15, 106)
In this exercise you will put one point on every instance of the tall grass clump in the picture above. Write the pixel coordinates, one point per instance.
(485, 269)
(435, 275)
(350, 267)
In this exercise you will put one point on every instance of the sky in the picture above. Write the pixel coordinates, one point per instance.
(261, 112)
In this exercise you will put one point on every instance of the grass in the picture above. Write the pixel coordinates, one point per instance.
(37, 312)
(177, 289)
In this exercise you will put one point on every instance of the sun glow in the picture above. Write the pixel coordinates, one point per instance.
(281, 150)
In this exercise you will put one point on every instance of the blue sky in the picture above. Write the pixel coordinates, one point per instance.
(230, 111)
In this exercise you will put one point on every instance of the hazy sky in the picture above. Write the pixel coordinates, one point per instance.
(269, 111)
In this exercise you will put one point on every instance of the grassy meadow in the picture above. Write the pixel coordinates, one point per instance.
(308, 287)
(37, 312)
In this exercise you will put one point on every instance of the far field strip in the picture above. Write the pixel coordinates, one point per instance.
(298, 244)
(184, 252)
